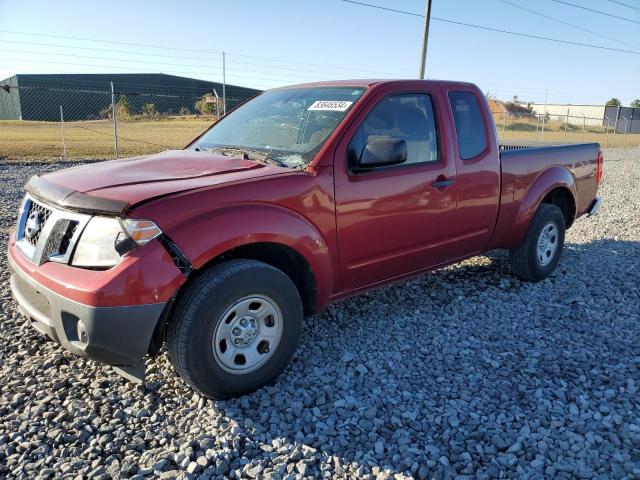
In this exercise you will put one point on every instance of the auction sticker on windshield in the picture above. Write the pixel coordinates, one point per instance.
(330, 105)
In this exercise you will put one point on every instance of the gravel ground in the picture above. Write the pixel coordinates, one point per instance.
(466, 372)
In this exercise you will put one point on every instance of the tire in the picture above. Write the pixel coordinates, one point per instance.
(527, 261)
(204, 345)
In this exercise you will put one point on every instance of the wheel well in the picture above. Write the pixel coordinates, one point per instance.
(563, 199)
(277, 255)
(287, 260)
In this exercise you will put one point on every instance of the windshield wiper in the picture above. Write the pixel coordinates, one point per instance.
(246, 153)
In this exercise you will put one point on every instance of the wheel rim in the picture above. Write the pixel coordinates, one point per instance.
(247, 334)
(547, 244)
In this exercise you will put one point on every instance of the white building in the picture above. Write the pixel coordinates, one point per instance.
(591, 115)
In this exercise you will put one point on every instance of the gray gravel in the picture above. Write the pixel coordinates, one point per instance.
(466, 372)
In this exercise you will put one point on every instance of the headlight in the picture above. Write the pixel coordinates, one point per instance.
(105, 239)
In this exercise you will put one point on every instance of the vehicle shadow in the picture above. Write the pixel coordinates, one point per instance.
(446, 372)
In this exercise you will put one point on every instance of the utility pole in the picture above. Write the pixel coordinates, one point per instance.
(425, 38)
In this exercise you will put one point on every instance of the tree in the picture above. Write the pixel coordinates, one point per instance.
(208, 105)
(613, 102)
(123, 109)
(636, 103)
(149, 110)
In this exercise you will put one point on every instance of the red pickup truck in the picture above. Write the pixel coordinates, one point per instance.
(301, 196)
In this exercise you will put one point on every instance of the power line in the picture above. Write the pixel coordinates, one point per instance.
(596, 11)
(165, 47)
(568, 24)
(114, 42)
(210, 70)
(625, 5)
(109, 50)
(206, 59)
(154, 71)
(384, 8)
(498, 30)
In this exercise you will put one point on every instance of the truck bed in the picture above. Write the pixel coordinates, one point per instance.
(523, 165)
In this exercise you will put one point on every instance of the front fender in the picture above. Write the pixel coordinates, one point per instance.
(208, 235)
(548, 180)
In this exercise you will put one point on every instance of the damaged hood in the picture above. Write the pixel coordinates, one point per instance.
(118, 184)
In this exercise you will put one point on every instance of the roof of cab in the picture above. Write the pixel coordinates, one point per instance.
(371, 82)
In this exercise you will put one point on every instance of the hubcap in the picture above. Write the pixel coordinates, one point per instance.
(547, 244)
(248, 334)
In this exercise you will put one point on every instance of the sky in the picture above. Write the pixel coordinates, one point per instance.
(278, 42)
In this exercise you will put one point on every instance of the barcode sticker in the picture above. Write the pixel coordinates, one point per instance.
(330, 105)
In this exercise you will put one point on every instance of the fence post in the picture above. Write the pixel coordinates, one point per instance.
(566, 124)
(114, 115)
(224, 84)
(544, 115)
(504, 126)
(64, 143)
(625, 132)
(537, 124)
(584, 125)
(217, 104)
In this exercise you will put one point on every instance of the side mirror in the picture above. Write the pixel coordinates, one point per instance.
(382, 152)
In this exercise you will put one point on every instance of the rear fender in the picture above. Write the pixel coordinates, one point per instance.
(205, 237)
(546, 182)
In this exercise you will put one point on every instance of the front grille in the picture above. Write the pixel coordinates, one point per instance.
(46, 233)
(43, 216)
(68, 235)
(59, 239)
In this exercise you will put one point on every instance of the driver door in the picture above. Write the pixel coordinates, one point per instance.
(398, 219)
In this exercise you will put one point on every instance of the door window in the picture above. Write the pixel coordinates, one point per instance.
(408, 117)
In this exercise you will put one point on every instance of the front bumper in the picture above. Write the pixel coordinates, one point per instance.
(114, 335)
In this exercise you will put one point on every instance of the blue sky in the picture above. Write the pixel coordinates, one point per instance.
(271, 43)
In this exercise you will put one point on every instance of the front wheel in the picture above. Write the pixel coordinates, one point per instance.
(538, 254)
(235, 328)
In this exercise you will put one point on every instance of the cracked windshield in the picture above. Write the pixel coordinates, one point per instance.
(286, 127)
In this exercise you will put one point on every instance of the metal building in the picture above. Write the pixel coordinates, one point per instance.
(86, 96)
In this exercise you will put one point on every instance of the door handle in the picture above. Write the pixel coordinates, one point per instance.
(442, 182)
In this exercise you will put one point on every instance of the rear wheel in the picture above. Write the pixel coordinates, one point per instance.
(538, 254)
(235, 328)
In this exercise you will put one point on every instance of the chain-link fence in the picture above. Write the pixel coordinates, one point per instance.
(54, 122)
(531, 127)
(48, 122)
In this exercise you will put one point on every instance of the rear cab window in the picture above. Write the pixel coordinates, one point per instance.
(471, 129)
